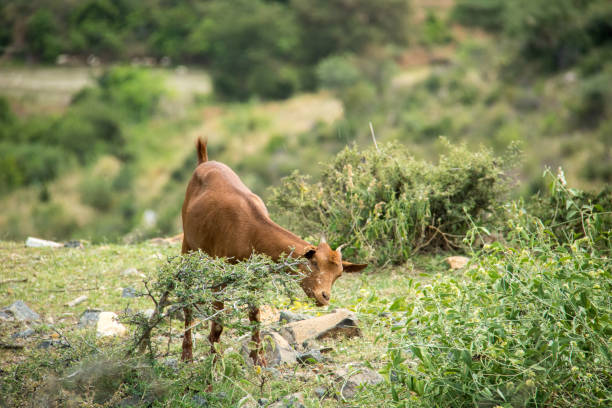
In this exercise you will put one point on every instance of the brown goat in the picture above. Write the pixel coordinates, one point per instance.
(223, 218)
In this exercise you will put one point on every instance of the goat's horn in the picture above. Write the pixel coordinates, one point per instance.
(339, 249)
(323, 240)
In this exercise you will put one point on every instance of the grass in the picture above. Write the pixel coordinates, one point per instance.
(56, 276)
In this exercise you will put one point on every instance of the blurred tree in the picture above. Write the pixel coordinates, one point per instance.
(338, 26)
(250, 44)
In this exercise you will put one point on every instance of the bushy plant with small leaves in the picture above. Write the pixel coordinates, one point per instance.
(386, 205)
(199, 281)
(527, 325)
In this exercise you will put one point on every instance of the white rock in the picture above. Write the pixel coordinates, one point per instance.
(108, 325)
(39, 243)
(457, 262)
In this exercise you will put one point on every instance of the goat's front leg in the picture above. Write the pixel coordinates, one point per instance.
(215, 329)
(257, 353)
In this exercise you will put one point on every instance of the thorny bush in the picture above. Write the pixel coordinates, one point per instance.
(198, 281)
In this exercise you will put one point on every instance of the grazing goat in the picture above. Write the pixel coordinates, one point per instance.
(223, 218)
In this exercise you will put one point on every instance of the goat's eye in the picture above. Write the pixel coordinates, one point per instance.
(314, 263)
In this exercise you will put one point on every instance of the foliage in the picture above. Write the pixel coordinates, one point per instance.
(487, 14)
(386, 205)
(572, 214)
(42, 35)
(199, 281)
(250, 44)
(338, 27)
(528, 325)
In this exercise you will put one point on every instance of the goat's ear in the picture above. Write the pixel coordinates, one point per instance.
(309, 252)
(352, 267)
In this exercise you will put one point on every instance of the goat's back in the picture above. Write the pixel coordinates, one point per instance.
(220, 213)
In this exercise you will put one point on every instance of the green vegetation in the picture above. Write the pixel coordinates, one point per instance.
(387, 206)
(526, 323)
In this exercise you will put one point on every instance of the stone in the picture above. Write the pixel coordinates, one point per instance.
(268, 314)
(457, 262)
(45, 344)
(290, 317)
(263, 402)
(148, 313)
(171, 363)
(24, 334)
(176, 312)
(320, 392)
(19, 311)
(40, 243)
(108, 325)
(310, 357)
(276, 349)
(352, 378)
(89, 317)
(199, 400)
(73, 244)
(76, 301)
(340, 322)
(132, 272)
(128, 292)
(295, 400)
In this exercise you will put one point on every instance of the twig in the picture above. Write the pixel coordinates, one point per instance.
(13, 280)
(448, 243)
(373, 136)
(72, 290)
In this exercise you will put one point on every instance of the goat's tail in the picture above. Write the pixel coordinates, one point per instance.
(201, 149)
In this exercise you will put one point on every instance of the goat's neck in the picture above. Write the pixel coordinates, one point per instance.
(273, 240)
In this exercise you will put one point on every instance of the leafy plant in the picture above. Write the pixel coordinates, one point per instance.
(386, 205)
(527, 325)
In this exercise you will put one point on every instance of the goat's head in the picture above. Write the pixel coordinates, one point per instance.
(324, 267)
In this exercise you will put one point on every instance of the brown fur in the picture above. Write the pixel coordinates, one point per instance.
(223, 218)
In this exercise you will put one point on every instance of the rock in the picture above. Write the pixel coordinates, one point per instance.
(76, 301)
(457, 262)
(352, 378)
(290, 401)
(148, 313)
(89, 317)
(39, 243)
(108, 325)
(276, 349)
(19, 311)
(73, 244)
(128, 292)
(340, 322)
(268, 314)
(45, 344)
(24, 334)
(320, 392)
(310, 357)
(263, 402)
(290, 317)
(132, 272)
(171, 363)
(199, 400)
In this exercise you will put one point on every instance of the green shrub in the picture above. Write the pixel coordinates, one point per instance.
(24, 164)
(250, 47)
(594, 101)
(135, 90)
(435, 30)
(386, 205)
(43, 35)
(527, 325)
(486, 14)
(572, 214)
(337, 73)
(97, 192)
(52, 221)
